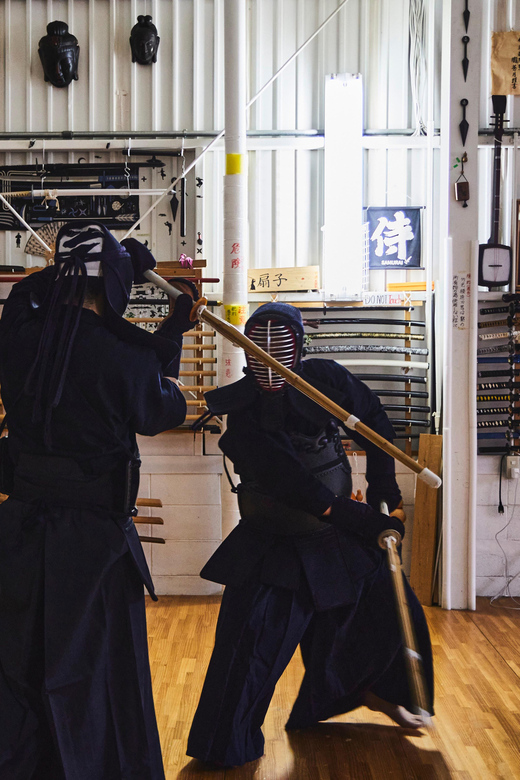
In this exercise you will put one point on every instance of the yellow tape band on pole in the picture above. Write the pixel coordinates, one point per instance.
(234, 164)
(235, 313)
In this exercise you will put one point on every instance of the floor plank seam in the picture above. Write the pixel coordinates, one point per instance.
(495, 648)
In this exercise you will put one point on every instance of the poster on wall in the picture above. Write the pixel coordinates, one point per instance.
(505, 63)
(394, 237)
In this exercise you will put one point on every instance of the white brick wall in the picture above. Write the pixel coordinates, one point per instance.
(491, 560)
(189, 485)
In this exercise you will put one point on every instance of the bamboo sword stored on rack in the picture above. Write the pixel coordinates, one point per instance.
(237, 338)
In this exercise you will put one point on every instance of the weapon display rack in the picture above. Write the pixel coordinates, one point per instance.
(498, 376)
(385, 347)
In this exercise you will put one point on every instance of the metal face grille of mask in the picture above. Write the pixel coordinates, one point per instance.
(279, 341)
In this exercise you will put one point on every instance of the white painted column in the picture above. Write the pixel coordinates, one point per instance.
(235, 210)
(459, 228)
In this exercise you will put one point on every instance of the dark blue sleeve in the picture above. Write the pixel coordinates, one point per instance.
(160, 406)
(360, 400)
(25, 296)
(155, 403)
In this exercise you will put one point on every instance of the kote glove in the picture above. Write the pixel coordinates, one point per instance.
(360, 519)
(142, 258)
(178, 321)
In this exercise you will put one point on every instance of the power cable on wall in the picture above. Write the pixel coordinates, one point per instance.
(505, 592)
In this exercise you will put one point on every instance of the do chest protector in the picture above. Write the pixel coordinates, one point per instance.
(323, 455)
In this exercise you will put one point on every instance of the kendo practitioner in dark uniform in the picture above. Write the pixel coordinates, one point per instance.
(303, 566)
(78, 383)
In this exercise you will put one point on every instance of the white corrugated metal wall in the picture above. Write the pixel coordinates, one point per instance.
(178, 104)
(183, 92)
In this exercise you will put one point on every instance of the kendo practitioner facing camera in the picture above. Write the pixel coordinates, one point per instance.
(78, 383)
(303, 566)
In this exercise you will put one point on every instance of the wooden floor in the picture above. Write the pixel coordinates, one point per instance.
(476, 730)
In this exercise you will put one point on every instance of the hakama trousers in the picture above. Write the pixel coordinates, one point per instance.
(347, 651)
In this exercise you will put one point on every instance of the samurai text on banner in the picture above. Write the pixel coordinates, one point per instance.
(394, 237)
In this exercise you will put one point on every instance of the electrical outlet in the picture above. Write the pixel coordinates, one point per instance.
(513, 466)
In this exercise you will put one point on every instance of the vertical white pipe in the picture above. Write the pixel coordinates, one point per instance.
(176, 35)
(429, 211)
(156, 83)
(7, 65)
(197, 69)
(472, 422)
(112, 74)
(235, 179)
(447, 482)
(235, 208)
(91, 68)
(28, 79)
(514, 215)
(133, 76)
(70, 99)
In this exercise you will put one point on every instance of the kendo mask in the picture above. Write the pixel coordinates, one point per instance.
(278, 329)
(94, 245)
(59, 54)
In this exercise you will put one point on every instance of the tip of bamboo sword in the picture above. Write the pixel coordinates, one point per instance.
(425, 717)
(431, 479)
(387, 537)
(194, 314)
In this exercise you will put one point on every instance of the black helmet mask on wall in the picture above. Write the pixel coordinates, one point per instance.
(144, 41)
(59, 54)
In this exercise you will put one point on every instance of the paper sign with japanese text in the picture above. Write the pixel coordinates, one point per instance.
(505, 63)
(460, 296)
(272, 280)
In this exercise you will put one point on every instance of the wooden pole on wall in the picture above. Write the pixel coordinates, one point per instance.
(424, 541)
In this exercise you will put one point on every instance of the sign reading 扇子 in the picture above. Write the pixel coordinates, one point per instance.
(306, 277)
(394, 237)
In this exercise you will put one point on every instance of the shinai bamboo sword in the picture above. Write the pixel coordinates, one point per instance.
(316, 322)
(325, 309)
(237, 338)
(388, 540)
(364, 335)
(402, 393)
(405, 408)
(392, 378)
(324, 349)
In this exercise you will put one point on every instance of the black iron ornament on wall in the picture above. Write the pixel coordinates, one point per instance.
(144, 41)
(464, 124)
(465, 60)
(59, 54)
(465, 15)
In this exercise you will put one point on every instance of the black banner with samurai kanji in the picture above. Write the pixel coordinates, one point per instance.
(394, 237)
